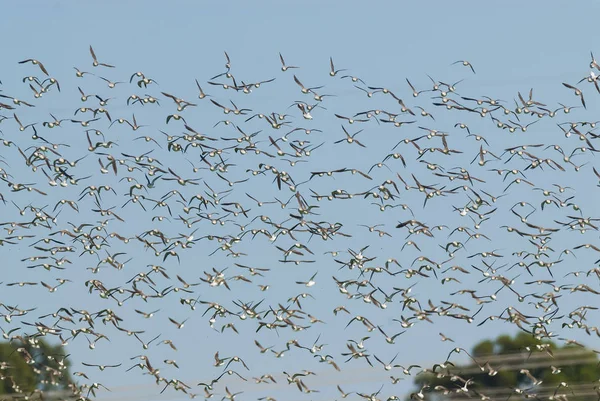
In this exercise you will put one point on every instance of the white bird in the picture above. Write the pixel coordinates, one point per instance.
(310, 282)
(305, 113)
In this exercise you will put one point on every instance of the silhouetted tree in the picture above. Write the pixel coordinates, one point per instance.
(27, 364)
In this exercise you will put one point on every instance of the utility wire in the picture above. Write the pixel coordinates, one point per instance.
(567, 362)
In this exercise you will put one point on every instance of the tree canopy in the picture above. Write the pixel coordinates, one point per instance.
(31, 363)
(521, 362)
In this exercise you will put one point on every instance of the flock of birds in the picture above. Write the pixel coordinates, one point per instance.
(240, 224)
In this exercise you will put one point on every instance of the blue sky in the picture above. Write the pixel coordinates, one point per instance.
(513, 47)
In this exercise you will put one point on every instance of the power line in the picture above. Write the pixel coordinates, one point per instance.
(528, 356)
(580, 386)
(583, 394)
(567, 362)
(545, 392)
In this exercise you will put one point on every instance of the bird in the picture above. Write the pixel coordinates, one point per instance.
(333, 72)
(101, 367)
(310, 281)
(578, 93)
(415, 93)
(350, 138)
(466, 64)
(387, 366)
(36, 62)
(95, 62)
(285, 67)
(304, 89)
(177, 324)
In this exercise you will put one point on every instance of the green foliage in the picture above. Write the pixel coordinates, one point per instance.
(43, 371)
(537, 362)
(485, 347)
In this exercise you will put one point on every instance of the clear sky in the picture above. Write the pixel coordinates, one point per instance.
(513, 46)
